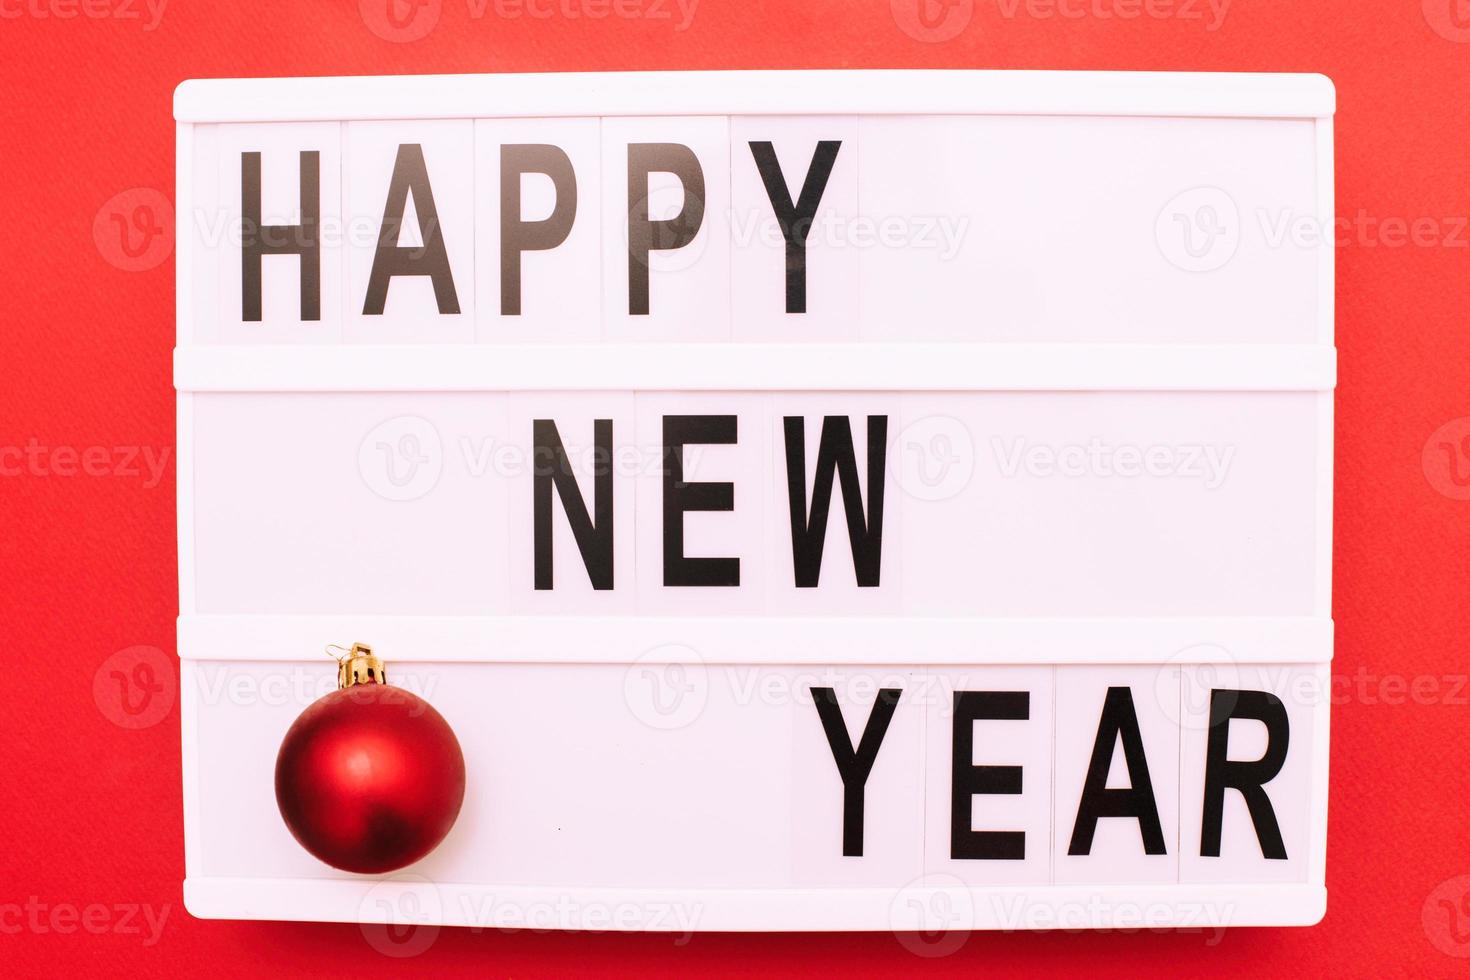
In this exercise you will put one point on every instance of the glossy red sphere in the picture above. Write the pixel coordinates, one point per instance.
(370, 778)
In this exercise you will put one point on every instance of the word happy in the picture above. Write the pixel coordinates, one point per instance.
(429, 257)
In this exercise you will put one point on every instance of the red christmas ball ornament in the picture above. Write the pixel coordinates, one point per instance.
(370, 778)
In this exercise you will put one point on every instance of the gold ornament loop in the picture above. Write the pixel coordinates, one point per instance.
(357, 665)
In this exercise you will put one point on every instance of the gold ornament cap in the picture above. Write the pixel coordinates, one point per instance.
(360, 666)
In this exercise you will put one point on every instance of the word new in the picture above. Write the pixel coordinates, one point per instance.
(836, 465)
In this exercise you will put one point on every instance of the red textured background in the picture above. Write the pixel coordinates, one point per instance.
(90, 811)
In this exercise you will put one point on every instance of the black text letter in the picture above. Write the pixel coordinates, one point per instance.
(257, 241)
(551, 469)
(1248, 778)
(516, 235)
(835, 455)
(967, 779)
(854, 767)
(795, 219)
(680, 497)
(644, 235)
(410, 176)
(1119, 720)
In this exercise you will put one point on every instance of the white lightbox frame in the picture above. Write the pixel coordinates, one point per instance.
(1255, 367)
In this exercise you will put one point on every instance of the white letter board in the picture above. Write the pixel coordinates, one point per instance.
(1002, 391)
